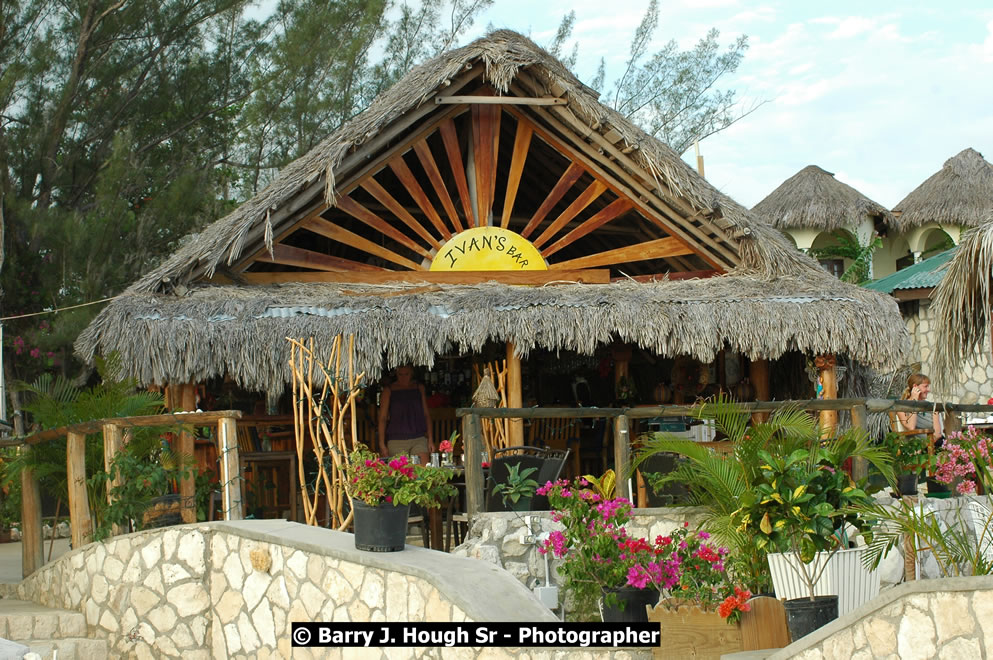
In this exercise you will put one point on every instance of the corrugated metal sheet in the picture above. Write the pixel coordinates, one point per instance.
(924, 275)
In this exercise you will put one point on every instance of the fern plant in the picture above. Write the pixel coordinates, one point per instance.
(718, 482)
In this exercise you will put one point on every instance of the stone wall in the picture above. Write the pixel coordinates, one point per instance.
(974, 381)
(232, 590)
(947, 618)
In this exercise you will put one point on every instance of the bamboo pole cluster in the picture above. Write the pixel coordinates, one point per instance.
(321, 414)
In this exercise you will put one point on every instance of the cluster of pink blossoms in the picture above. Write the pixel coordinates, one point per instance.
(965, 456)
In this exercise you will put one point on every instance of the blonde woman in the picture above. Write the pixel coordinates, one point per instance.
(918, 388)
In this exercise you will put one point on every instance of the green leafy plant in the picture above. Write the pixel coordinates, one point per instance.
(375, 481)
(909, 451)
(956, 549)
(850, 247)
(717, 482)
(516, 485)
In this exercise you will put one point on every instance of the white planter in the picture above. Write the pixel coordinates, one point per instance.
(844, 577)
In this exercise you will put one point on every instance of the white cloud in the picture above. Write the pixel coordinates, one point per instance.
(852, 26)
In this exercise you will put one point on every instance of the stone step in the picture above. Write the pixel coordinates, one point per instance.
(23, 620)
(72, 648)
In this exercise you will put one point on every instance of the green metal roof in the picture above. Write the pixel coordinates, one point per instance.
(923, 275)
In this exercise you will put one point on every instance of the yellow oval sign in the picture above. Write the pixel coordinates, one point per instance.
(488, 248)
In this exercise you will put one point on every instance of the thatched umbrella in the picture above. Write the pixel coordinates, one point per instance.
(961, 194)
(814, 198)
(963, 301)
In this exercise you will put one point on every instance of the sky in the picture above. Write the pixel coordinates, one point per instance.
(879, 93)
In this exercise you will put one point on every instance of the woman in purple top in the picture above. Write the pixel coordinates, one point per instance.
(404, 420)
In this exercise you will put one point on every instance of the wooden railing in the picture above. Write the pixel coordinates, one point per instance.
(859, 408)
(80, 521)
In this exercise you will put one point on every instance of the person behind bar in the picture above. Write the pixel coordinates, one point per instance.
(404, 420)
(918, 387)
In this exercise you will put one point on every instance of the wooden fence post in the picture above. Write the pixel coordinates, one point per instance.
(185, 449)
(32, 552)
(473, 438)
(860, 466)
(113, 442)
(515, 396)
(79, 505)
(758, 373)
(227, 447)
(622, 454)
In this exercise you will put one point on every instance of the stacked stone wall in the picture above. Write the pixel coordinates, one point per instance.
(233, 590)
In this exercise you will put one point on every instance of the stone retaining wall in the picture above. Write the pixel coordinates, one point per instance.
(232, 590)
(947, 618)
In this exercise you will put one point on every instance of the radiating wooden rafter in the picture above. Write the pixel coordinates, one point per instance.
(656, 249)
(410, 239)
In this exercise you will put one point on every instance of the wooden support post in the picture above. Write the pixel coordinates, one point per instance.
(860, 466)
(185, 449)
(32, 554)
(113, 442)
(227, 447)
(79, 505)
(758, 375)
(829, 383)
(515, 396)
(472, 435)
(622, 454)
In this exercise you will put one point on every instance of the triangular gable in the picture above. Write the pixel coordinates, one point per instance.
(579, 200)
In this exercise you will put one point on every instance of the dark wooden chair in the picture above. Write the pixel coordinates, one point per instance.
(548, 464)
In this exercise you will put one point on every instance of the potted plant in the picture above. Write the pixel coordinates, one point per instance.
(381, 493)
(799, 509)
(716, 482)
(595, 561)
(517, 489)
(910, 456)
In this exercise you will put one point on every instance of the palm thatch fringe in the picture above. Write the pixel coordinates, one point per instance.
(503, 54)
(962, 302)
(242, 331)
(814, 198)
(961, 193)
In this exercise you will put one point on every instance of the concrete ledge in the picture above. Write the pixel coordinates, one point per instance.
(888, 597)
(461, 580)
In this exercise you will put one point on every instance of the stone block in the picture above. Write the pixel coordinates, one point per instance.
(144, 600)
(230, 606)
(839, 645)
(372, 589)
(297, 563)
(73, 625)
(189, 599)
(915, 637)
(232, 638)
(277, 594)
(312, 599)
(963, 648)
(162, 618)
(264, 624)
(234, 572)
(952, 615)
(249, 638)
(151, 554)
(192, 547)
(45, 626)
(173, 573)
(255, 587)
(113, 568)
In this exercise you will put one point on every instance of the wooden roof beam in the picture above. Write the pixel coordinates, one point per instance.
(658, 249)
(288, 255)
(498, 100)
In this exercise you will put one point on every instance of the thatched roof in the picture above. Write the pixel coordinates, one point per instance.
(814, 198)
(775, 300)
(963, 302)
(960, 193)
(241, 331)
(503, 54)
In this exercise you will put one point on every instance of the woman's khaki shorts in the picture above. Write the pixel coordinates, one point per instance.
(412, 446)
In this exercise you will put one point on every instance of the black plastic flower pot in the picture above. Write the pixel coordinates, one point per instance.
(906, 484)
(804, 616)
(380, 528)
(630, 606)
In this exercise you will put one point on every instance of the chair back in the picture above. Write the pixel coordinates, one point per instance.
(548, 464)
